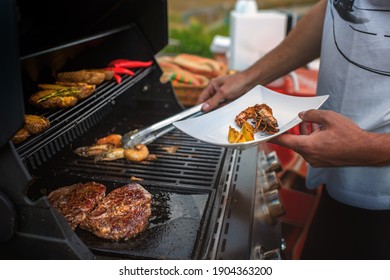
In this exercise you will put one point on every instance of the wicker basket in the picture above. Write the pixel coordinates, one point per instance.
(188, 94)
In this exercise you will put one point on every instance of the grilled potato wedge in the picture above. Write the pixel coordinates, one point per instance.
(82, 76)
(81, 90)
(50, 99)
(33, 125)
(36, 124)
(20, 136)
(247, 131)
(235, 136)
(61, 96)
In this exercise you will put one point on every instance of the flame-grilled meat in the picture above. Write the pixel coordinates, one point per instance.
(122, 214)
(75, 201)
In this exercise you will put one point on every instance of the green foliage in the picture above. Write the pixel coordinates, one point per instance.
(194, 39)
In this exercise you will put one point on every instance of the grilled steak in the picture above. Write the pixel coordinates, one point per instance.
(75, 201)
(122, 214)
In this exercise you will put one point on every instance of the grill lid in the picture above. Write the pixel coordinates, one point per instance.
(11, 105)
(44, 24)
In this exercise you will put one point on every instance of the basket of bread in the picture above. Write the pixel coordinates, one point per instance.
(189, 74)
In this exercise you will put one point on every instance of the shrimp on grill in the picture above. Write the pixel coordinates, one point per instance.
(261, 116)
(112, 154)
(139, 153)
(110, 148)
(114, 139)
(95, 150)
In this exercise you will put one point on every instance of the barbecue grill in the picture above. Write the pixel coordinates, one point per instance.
(208, 202)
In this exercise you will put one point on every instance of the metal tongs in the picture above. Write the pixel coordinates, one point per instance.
(151, 133)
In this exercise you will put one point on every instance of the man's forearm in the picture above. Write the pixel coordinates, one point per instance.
(377, 149)
(302, 45)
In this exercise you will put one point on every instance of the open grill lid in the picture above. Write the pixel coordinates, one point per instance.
(44, 24)
(30, 27)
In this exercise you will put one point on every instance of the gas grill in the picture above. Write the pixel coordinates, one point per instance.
(208, 202)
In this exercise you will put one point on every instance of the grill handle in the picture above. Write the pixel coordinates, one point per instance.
(148, 134)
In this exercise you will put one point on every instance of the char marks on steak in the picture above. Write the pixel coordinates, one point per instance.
(75, 201)
(122, 214)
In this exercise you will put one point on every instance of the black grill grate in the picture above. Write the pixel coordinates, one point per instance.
(70, 123)
(183, 185)
(193, 164)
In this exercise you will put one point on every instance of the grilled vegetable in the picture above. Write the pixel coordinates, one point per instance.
(20, 136)
(60, 96)
(126, 63)
(118, 78)
(36, 124)
(235, 136)
(120, 70)
(108, 74)
(247, 131)
(49, 99)
(81, 90)
(82, 76)
(33, 125)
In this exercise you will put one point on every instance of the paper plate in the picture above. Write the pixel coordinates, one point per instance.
(213, 127)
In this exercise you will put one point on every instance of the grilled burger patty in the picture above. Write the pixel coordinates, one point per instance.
(122, 214)
(75, 201)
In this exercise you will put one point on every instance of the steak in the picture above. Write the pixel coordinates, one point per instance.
(75, 201)
(122, 214)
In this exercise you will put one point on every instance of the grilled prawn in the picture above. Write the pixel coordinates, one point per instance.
(261, 116)
(110, 148)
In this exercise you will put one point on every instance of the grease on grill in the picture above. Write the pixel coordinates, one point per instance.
(170, 149)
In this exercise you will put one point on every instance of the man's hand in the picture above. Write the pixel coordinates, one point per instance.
(222, 89)
(330, 139)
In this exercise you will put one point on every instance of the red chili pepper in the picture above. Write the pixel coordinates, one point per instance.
(120, 70)
(127, 63)
(117, 78)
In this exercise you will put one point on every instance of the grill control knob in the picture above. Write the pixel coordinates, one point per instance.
(145, 88)
(272, 200)
(273, 163)
(259, 253)
(270, 207)
(271, 181)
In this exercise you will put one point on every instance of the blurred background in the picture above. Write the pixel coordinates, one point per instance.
(194, 23)
(234, 33)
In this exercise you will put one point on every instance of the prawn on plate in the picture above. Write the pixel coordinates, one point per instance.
(262, 118)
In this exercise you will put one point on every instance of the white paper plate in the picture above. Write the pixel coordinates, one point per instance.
(213, 127)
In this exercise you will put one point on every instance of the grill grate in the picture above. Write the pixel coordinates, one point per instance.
(68, 124)
(183, 186)
(194, 164)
